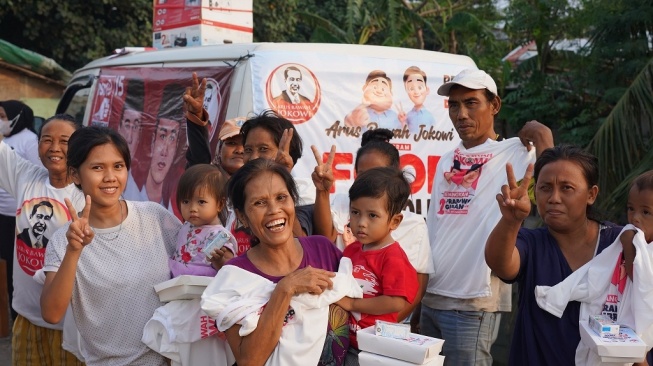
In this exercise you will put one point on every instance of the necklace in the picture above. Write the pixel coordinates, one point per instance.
(115, 234)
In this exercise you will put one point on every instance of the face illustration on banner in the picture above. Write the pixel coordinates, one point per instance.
(377, 93)
(131, 119)
(130, 128)
(415, 84)
(164, 147)
(294, 101)
(292, 77)
(376, 106)
(212, 103)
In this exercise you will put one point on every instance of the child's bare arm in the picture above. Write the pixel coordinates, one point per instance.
(628, 250)
(379, 305)
(422, 281)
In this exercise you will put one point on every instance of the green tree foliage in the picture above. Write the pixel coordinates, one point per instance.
(73, 32)
(624, 143)
(573, 92)
(464, 26)
(544, 89)
(274, 21)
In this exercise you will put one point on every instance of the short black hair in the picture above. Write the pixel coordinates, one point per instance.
(377, 140)
(275, 125)
(644, 181)
(377, 182)
(290, 68)
(42, 203)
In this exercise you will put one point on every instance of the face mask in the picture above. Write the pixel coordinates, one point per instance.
(7, 126)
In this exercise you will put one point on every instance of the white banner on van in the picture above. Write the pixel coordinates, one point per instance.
(332, 100)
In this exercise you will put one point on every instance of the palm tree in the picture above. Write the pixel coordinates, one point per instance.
(623, 143)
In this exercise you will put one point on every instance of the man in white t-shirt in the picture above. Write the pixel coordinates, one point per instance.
(463, 300)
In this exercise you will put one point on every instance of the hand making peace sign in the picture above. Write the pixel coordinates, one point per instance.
(323, 174)
(283, 154)
(79, 232)
(194, 97)
(514, 202)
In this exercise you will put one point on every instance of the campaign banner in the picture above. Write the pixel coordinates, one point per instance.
(334, 99)
(145, 105)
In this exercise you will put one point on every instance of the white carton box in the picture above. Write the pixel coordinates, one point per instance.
(627, 347)
(371, 359)
(603, 325)
(188, 23)
(391, 330)
(184, 287)
(417, 349)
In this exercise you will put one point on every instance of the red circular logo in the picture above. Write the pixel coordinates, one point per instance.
(293, 92)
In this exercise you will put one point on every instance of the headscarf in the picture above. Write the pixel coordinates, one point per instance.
(14, 108)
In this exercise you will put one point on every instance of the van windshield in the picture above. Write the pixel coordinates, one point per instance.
(75, 97)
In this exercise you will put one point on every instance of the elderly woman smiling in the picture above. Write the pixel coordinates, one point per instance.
(271, 301)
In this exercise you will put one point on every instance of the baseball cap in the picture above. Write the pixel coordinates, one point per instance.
(472, 79)
(231, 128)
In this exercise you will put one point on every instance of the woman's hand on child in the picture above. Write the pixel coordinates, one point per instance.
(513, 200)
(323, 173)
(219, 257)
(79, 232)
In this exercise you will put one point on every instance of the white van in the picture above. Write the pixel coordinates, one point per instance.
(331, 92)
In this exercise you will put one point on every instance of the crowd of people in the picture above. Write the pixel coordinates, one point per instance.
(297, 271)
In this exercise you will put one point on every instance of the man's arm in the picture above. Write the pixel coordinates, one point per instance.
(537, 133)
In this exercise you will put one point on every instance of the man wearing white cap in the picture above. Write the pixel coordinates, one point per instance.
(463, 299)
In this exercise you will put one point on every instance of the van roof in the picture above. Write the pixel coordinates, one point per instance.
(237, 50)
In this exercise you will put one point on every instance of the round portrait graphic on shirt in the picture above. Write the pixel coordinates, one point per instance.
(293, 92)
(43, 217)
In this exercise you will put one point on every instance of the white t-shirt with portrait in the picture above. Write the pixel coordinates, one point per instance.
(459, 221)
(40, 208)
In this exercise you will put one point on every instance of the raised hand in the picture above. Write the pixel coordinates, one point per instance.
(79, 232)
(513, 200)
(401, 115)
(283, 154)
(538, 134)
(323, 173)
(194, 97)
